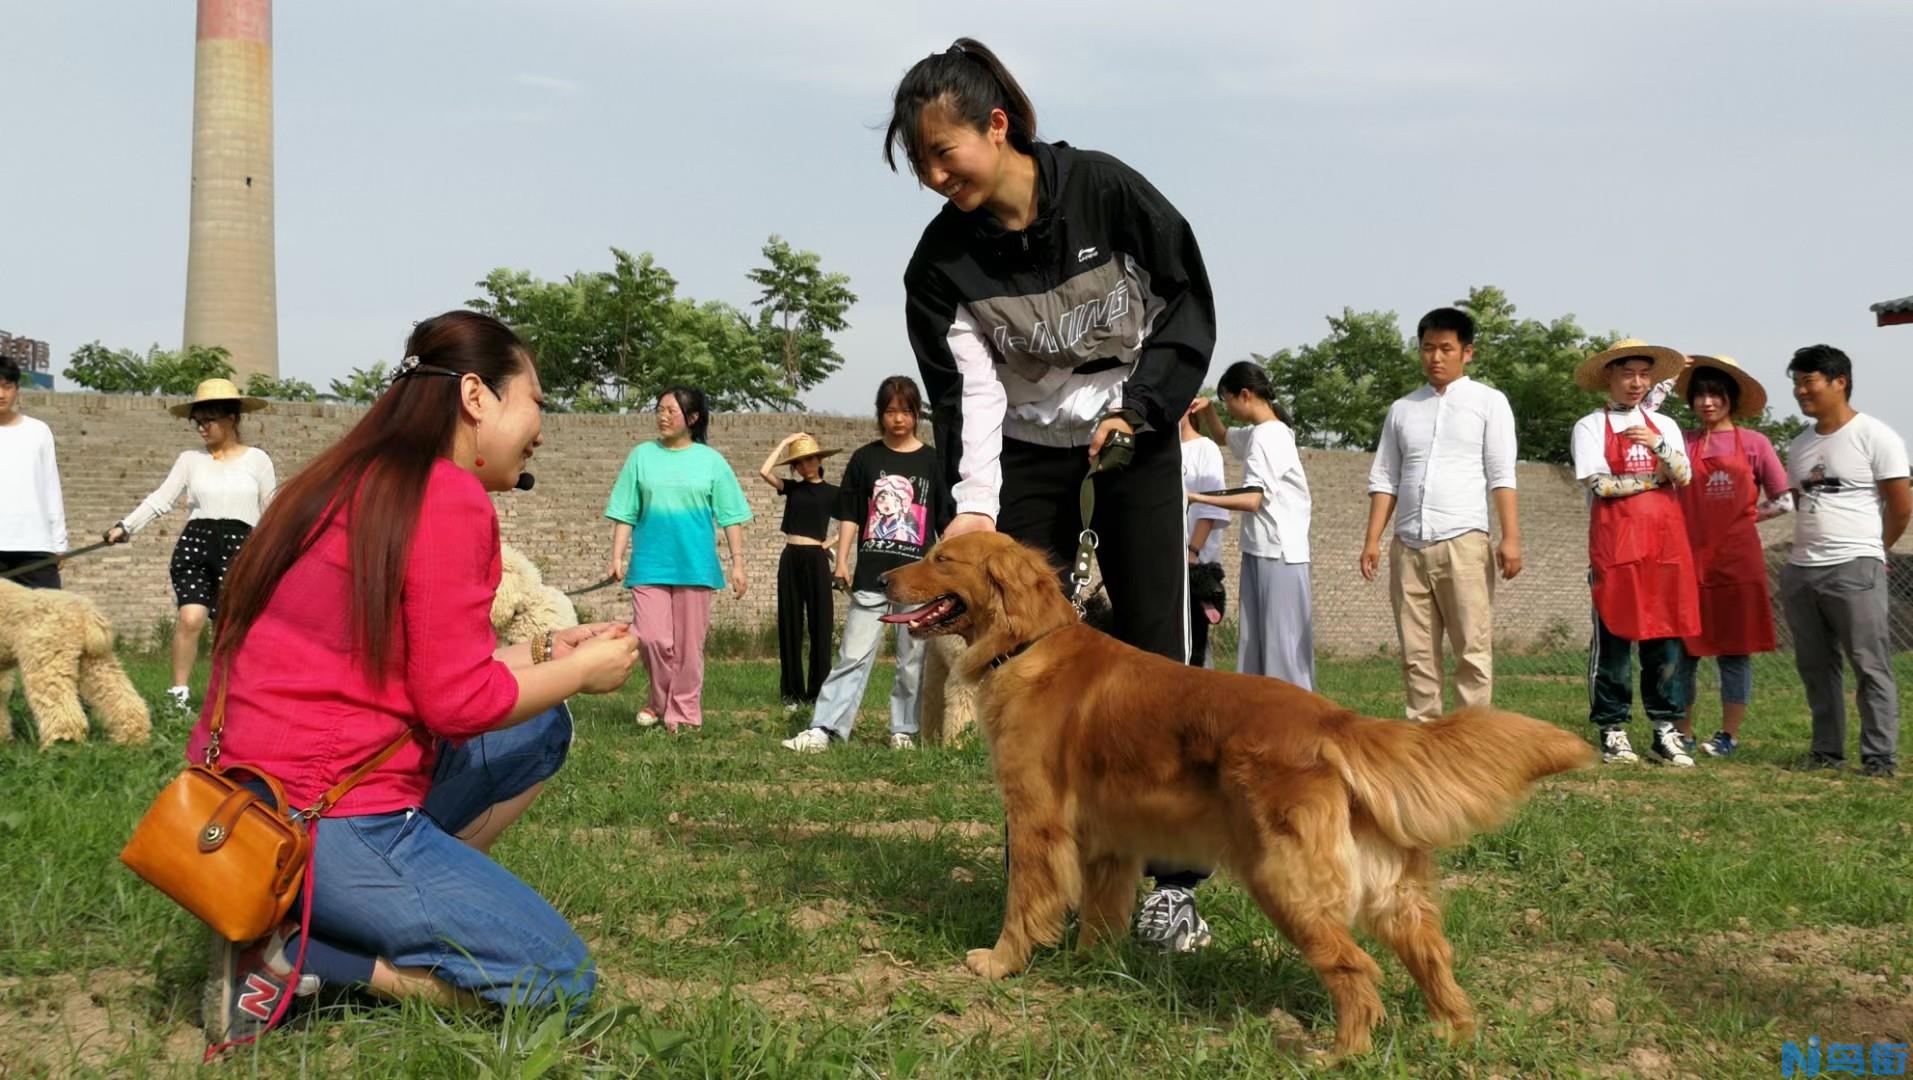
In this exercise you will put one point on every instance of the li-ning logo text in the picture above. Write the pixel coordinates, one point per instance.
(1070, 327)
(1851, 1059)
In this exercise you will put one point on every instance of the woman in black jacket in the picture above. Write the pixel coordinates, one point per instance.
(1056, 298)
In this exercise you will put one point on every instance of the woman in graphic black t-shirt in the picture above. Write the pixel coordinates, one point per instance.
(803, 570)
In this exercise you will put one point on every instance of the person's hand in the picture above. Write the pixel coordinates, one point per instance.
(1508, 557)
(740, 578)
(1109, 424)
(969, 523)
(1371, 559)
(565, 641)
(1200, 406)
(607, 660)
(1642, 435)
(116, 535)
(612, 569)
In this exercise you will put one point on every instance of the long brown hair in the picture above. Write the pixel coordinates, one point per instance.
(377, 476)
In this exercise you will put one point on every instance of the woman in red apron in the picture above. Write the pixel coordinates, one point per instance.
(1641, 567)
(1732, 466)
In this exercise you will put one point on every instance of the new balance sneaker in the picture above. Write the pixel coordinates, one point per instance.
(1615, 749)
(1878, 768)
(902, 740)
(811, 740)
(1721, 745)
(1667, 746)
(181, 699)
(1168, 921)
(245, 984)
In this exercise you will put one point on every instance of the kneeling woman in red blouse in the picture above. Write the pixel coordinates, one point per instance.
(358, 611)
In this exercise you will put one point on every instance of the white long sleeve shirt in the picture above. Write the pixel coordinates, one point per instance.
(32, 512)
(1440, 456)
(235, 490)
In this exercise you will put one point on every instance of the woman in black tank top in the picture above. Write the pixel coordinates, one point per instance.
(803, 570)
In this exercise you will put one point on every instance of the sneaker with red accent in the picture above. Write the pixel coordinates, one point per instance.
(245, 983)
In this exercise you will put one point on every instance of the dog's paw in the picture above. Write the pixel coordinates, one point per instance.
(985, 963)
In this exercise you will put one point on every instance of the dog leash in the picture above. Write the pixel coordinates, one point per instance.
(1118, 448)
(54, 560)
(612, 580)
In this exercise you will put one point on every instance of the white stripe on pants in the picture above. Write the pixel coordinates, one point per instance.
(1277, 636)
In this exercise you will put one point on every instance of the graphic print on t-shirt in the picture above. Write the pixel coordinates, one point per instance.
(1818, 483)
(898, 517)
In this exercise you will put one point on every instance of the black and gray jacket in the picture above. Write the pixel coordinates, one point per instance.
(1102, 303)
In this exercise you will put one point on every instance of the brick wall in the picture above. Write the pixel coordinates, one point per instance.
(114, 450)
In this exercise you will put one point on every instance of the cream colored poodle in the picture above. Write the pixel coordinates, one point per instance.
(63, 647)
(525, 606)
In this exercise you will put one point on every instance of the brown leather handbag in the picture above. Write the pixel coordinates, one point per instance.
(231, 858)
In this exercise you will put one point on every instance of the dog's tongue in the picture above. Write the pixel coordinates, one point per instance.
(905, 616)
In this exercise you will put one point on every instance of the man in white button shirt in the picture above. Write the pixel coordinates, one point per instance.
(1446, 450)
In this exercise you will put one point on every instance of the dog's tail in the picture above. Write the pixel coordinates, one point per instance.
(97, 639)
(1436, 784)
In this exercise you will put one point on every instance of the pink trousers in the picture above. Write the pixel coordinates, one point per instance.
(670, 621)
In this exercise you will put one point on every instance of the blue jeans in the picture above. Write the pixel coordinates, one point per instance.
(843, 691)
(403, 887)
(1736, 679)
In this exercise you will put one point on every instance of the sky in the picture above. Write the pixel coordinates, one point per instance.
(1722, 177)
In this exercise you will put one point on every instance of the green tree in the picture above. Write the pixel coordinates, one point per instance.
(362, 386)
(159, 371)
(1339, 388)
(799, 308)
(260, 384)
(613, 339)
(1533, 363)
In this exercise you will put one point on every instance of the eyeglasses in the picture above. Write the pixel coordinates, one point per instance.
(203, 421)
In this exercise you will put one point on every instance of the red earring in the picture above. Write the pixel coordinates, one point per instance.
(478, 462)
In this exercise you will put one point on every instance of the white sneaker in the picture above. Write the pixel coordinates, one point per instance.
(647, 718)
(811, 740)
(182, 699)
(1615, 749)
(902, 740)
(1668, 747)
(1168, 921)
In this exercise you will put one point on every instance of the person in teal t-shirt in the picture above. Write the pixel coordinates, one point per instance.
(671, 498)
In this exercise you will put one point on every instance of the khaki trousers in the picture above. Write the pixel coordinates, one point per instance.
(1445, 588)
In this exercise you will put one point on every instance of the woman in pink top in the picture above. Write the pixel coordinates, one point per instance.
(359, 611)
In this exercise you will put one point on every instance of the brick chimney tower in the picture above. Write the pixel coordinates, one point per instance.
(231, 289)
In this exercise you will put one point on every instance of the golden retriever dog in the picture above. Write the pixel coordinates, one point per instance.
(1107, 756)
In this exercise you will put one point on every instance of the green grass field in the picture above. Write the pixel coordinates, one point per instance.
(757, 913)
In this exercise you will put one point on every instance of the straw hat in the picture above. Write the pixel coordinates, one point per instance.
(220, 390)
(1592, 374)
(802, 447)
(1753, 396)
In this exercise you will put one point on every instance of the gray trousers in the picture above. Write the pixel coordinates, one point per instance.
(1841, 610)
(1277, 635)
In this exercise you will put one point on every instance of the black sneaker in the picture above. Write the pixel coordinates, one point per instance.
(1820, 763)
(1879, 768)
(1167, 920)
(245, 984)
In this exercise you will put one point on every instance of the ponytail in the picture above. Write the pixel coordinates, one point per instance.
(969, 81)
(1251, 377)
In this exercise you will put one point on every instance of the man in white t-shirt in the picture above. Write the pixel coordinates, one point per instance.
(32, 513)
(1203, 527)
(1640, 567)
(1849, 477)
(1446, 450)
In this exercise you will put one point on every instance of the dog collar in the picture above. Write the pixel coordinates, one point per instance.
(1020, 649)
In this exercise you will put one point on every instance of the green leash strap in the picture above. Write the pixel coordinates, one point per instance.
(1118, 448)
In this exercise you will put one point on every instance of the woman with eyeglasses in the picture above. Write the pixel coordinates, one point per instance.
(227, 485)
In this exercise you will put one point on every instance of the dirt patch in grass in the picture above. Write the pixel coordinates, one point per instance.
(60, 1024)
(1807, 978)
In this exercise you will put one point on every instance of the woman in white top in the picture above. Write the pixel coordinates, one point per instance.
(1276, 635)
(227, 485)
